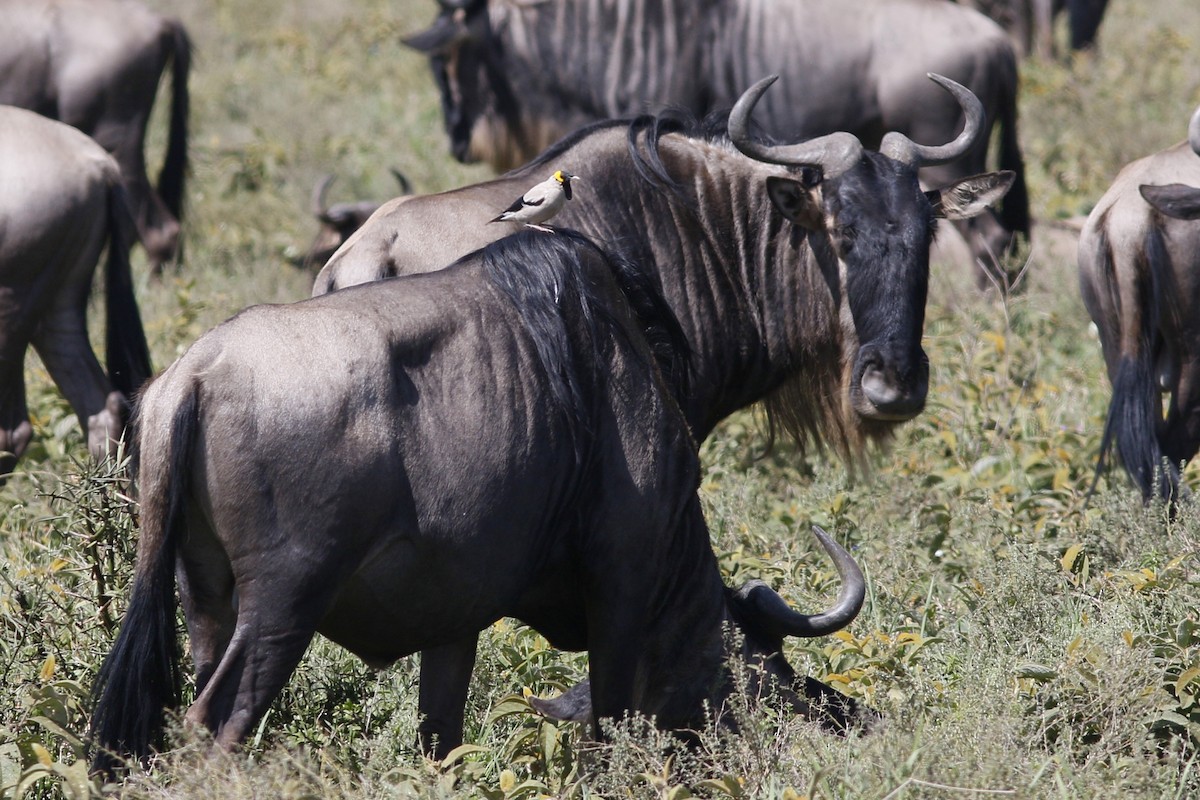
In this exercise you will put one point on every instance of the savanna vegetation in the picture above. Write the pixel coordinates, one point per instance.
(1019, 639)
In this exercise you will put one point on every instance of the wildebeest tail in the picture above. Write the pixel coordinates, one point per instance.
(127, 355)
(1014, 209)
(140, 678)
(1135, 411)
(175, 162)
(1131, 423)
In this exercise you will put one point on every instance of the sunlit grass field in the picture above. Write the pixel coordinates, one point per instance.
(1018, 639)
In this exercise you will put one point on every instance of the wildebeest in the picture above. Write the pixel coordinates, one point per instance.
(1139, 271)
(1031, 22)
(60, 200)
(398, 465)
(96, 64)
(339, 220)
(516, 76)
(798, 274)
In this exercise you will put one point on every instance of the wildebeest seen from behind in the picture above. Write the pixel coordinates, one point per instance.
(397, 466)
(60, 200)
(339, 221)
(798, 275)
(517, 76)
(96, 65)
(1139, 270)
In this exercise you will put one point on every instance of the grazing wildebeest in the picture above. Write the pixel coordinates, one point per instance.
(60, 201)
(1139, 270)
(96, 64)
(516, 76)
(339, 220)
(494, 439)
(1031, 22)
(798, 275)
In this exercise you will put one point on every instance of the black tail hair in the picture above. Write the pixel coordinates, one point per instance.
(140, 678)
(126, 352)
(1134, 412)
(175, 162)
(1014, 208)
(1131, 423)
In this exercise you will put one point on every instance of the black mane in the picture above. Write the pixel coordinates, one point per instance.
(544, 277)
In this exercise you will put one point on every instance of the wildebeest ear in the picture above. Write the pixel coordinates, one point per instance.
(794, 201)
(971, 196)
(445, 32)
(1176, 200)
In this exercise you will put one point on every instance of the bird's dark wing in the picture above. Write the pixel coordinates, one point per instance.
(517, 205)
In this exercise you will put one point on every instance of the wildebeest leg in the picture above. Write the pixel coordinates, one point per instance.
(1180, 432)
(616, 626)
(612, 673)
(445, 679)
(61, 340)
(206, 594)
(274, 627)
(15, 430)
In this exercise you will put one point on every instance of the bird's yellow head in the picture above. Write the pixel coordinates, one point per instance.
(560, 177)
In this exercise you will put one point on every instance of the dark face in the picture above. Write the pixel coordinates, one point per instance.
(882, 229)
(468, 68)
(879, 225)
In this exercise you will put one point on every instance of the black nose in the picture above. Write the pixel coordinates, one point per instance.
(894, 384)
(459, 147)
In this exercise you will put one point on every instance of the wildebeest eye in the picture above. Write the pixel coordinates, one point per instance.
(810, 177)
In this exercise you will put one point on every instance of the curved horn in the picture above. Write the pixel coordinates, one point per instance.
(901, 148)
(318, 196)
(773, 613)
(405, 186)
(1194, 132)
(834, 153)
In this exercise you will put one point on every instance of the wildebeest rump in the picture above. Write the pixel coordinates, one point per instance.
(516, 76)
(800, 283)
(60, 201)
(1139, 270)
(399, 465)
(96, 64)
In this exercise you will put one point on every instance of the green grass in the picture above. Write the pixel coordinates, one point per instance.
(1017, 639)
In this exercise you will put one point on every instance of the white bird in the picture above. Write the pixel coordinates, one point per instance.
(541, 202)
